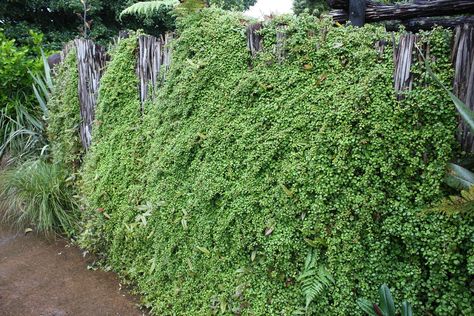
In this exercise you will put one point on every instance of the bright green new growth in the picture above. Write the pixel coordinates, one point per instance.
(210, 201)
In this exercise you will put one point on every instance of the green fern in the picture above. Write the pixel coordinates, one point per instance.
(315, 280)
(189, 6)
(149, 8)
(463, 204)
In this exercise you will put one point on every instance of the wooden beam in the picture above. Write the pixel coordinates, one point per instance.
(344, 4)
(428, 23)
(422, 8)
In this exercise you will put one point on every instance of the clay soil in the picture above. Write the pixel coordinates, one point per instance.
(47, 277)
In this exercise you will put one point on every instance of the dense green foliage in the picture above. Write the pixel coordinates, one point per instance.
(320, 6)
(15, 61)
(64, 116)
(211, 200)
(37, 193)
(233, 4)
(20, 115)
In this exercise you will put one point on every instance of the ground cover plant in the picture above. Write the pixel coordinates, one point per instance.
(212, 199)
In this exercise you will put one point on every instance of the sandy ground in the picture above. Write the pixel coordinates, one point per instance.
(50, 278)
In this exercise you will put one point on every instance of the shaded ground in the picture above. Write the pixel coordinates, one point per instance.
(49, 278)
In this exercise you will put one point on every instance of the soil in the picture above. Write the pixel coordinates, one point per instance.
(46, 277)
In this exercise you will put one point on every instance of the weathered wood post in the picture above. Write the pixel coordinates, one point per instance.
(154, 59)
(463, 87)
(91, 59)
(357, 12)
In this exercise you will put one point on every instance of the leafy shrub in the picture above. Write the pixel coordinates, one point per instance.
(37, 193)
(210, 200)
(21, 122)
(15, 61)
(23, 133)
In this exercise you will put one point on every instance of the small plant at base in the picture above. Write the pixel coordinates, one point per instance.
(386, 306)
(37, 193)
(314, 281)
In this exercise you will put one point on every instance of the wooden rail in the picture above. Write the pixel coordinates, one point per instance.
(376, 12)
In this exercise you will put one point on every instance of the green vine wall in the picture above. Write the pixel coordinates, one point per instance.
(64, 116)
(210, 201)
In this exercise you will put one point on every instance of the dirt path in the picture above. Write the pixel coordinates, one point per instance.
(49, 278)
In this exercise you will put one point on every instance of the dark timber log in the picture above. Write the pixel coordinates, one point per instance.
(344, 4)
(378, 12)
(414, 25)
(357, 12)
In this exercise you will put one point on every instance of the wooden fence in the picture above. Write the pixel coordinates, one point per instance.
(91, 59)
(463, 61)
(154, 58)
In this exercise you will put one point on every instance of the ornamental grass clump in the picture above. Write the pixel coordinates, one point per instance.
(37, 194)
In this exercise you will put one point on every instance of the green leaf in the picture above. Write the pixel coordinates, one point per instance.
(386, 301)
(204, 250)
(41, 100)
(406, 309)
(459, 177)
(366, 306)
(466, 114)
(148, 8)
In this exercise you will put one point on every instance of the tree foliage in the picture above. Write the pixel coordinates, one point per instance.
(61, 20)
(313, 6)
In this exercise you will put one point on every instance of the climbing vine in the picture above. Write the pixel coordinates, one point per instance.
(211, 200)
(64, 116)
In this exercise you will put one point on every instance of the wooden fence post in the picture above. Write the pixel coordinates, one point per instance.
(91, 59)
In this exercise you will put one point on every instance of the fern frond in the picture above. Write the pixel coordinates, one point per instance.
(189, 6)
(463, 204)
(149, 8)
(314, 280)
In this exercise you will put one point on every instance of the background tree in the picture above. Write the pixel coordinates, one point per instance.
(62, 20)
(314, 6)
